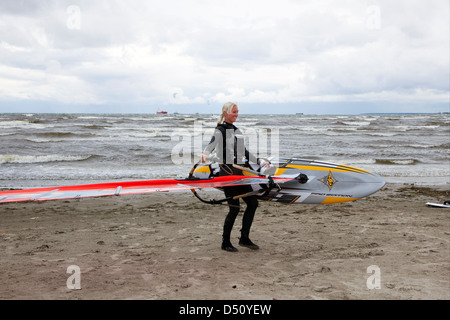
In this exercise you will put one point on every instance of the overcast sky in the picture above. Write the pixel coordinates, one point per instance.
(193, 56)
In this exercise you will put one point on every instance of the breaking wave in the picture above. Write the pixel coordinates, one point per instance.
(13, 158)
(64, 134)
(397, 161)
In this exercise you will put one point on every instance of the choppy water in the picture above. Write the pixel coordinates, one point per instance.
(54, 149)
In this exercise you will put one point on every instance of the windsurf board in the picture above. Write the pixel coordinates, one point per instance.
(438, 205)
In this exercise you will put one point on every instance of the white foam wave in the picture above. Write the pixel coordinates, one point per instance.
(90, 117)
(356, 123)
(37, 140)
(13, 158)
(23, 124)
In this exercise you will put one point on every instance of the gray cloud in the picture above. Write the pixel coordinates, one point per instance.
(252, 51)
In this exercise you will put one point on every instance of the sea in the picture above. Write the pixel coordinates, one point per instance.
(43, 150)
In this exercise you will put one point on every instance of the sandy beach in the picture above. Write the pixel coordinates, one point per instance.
(167, 246)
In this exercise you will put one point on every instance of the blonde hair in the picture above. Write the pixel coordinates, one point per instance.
(227, 107)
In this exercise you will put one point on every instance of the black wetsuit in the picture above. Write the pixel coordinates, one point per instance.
(229, 144)
(228, 141)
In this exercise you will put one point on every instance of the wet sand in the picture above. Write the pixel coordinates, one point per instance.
(167, 246)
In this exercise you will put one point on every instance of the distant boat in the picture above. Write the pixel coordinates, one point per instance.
(161, 111)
